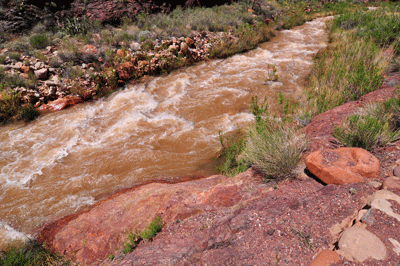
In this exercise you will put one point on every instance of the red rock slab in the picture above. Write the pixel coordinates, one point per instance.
(60, 104)
(99, 232)
(343, 165)
(285, 226)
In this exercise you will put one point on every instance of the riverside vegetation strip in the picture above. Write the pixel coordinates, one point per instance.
(90, 60)
(288, 118)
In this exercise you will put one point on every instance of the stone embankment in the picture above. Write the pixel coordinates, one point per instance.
(342, 207)
(58, 88)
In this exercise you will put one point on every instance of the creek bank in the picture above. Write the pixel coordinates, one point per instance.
(243, 220)
(54, 83)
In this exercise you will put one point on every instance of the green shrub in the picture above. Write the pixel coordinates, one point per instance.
(153, 229)
(273, 145)
(28, 113)
(30, 254)
(382, 27)
(347, 69)
(229, 162)
(134, 238)
(372, 126)
(2, 59)
(75, 26)
(39, 41)
(15, 56)
(245, 38)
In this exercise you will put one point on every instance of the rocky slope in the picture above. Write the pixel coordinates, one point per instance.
(246, 221)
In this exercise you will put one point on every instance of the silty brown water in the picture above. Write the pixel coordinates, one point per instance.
(162, 128)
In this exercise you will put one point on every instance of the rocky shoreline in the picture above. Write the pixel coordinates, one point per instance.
(243, 220)
(56, 91)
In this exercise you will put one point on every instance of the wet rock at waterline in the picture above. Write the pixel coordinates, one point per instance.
(343, 165)
(60, 103)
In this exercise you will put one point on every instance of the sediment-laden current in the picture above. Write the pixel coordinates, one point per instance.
(161, 128)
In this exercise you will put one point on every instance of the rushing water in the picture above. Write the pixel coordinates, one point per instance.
(162, 128)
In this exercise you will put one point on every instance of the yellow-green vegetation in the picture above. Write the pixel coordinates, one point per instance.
(135, 238)
(10, 101)
(374, 125)
(273, 145)
(30, 254)
(354, 62)
(351, 66)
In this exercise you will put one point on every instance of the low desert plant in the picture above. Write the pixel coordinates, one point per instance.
(347, 69)
(372, 126)
(153, 229)
(75, 26)
(31, 253)
(135, 238)
(274, 147)
(39, 41)
(230, 162)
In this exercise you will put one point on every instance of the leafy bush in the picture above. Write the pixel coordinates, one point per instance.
(372, 126)
(39, 41)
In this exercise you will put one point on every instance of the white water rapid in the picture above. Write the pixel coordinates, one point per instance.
(161, 128)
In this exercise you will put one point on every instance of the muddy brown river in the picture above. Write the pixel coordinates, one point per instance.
(162, 128)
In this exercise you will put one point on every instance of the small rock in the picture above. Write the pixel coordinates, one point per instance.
(396, 171)
(343, 165)
(391, 182)
(393, 83)
(368, 217)
(26, 69)
(173, 48)
(38, 65)
(135, 46)
(18, 66)
(383, 194)
(120, 53)
(396, 245)
(362, 244)
(325, 258)
(189, 42)
(184, 48)
(42, 74)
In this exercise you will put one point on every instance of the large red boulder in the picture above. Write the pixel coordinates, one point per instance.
(343, 165)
